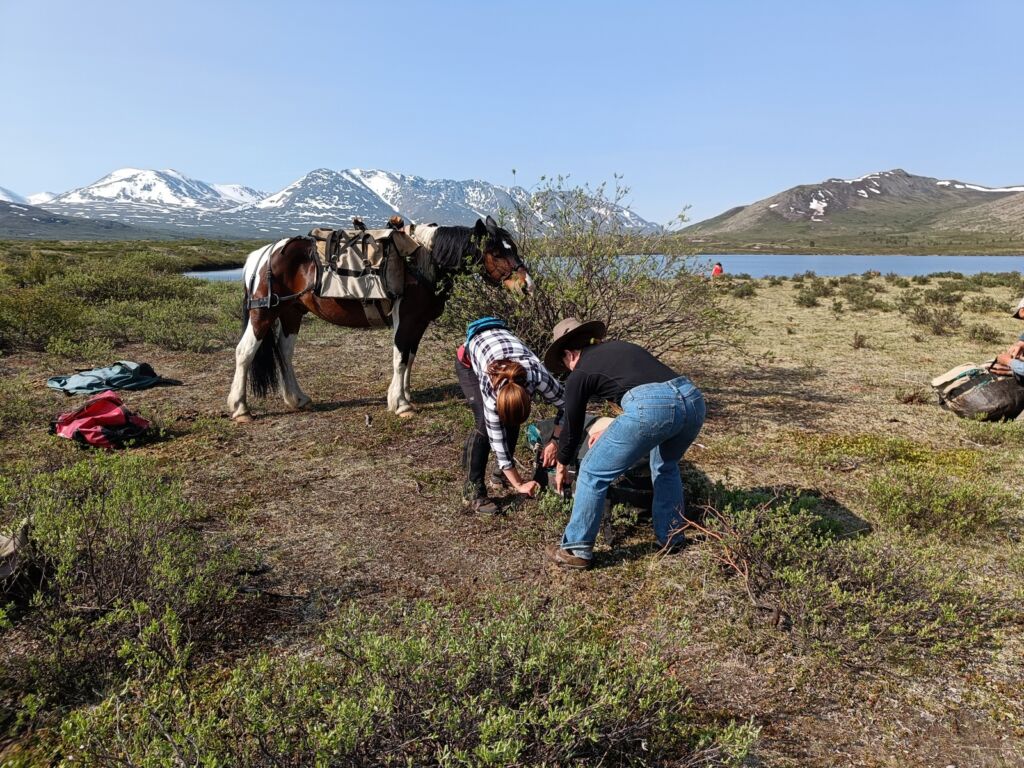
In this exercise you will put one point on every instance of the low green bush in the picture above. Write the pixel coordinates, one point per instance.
(930, 499)
(854, 600)
(112, 543)
(806, 298)
(983, 333)
(743, 290)
(981, 304)
(82, 305)
(942, 297)
(940, 321)
(863, 296)
(420, 686)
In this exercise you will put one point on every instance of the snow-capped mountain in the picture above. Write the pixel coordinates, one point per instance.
(9, 196)
(881, 201)
(167, 188)
(170, 201)
(442, 200)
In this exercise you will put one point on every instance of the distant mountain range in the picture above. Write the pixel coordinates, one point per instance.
(169, 204)
(885, 207)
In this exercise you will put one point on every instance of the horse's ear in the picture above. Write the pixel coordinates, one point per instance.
(491, 224)
(480, 229)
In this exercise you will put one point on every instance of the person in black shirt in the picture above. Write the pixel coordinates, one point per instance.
(662, 413)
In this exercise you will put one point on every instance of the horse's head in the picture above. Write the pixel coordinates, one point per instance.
(499, 257)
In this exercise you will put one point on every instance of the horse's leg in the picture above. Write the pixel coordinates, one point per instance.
(407, 377)
(291, 322)
(408, 343)
(395, 394)
(245, 354)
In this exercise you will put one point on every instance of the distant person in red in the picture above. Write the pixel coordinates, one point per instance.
(717, 270)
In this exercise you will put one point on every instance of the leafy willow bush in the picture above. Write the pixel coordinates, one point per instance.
(421, 686)
(112, 543)
(586, 264)
(858, 601)
(81, 304)
(928, 498)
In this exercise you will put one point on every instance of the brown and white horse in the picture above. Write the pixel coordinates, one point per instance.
(270, 332)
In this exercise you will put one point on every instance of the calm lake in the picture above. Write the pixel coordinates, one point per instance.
(764, 264)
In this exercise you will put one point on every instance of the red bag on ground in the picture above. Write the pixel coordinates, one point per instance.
(102, 421)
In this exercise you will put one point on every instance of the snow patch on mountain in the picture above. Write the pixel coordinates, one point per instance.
(239, 193)
(40, 198)
(9, 196)
(976, 187)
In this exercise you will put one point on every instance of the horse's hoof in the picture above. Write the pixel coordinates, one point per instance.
(306, 405)
(243, 418)
(407, 414)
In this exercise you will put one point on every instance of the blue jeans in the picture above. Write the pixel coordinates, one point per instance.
(659, 419)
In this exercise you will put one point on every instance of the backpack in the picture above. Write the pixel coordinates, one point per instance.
(102, 421)
(973, 392)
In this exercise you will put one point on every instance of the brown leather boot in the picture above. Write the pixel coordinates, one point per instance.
(483, 505)
(563, 558)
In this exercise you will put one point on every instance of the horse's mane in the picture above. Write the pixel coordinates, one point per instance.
(449, 246)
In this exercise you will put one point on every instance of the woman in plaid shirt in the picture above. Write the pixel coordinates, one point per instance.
(499, 376)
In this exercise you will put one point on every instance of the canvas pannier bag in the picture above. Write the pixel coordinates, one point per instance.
(974, 392)
(102, 421)
(368, 265)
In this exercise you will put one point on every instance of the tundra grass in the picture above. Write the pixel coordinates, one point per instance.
(828, 611)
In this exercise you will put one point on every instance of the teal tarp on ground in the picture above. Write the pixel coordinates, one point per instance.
(124, 374)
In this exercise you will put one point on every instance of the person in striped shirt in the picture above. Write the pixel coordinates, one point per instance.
(499, 377)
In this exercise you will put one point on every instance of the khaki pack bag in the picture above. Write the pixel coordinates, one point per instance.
(973, 392)
(363, 264)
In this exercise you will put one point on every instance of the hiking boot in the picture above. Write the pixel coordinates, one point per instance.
(563, 558)
(482, 505)
(498, 480)
(678, 544)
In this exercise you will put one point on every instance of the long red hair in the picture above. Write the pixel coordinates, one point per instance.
(513, 400)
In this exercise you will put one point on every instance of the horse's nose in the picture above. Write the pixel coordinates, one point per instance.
(527, 282)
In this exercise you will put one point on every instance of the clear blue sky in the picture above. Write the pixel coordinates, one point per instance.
(711, 104)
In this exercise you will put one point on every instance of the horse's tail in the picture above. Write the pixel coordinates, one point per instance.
(263, 370)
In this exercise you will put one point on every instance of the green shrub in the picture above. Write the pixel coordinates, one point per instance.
(983, 333)
(927, 499)
(584, 264)
(942, 297)
(31, 317)
(743, 290)
(857, 601)
(423, 686)
(17, 406)
(862, 296)
(981, 304)
(90, 304)
(115, 543)
(941, 321)
(806, 298)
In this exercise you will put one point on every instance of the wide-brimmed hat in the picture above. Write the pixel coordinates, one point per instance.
(1015, 312)
(570, 334)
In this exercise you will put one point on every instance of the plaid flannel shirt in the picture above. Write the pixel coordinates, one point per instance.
(495, 344)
